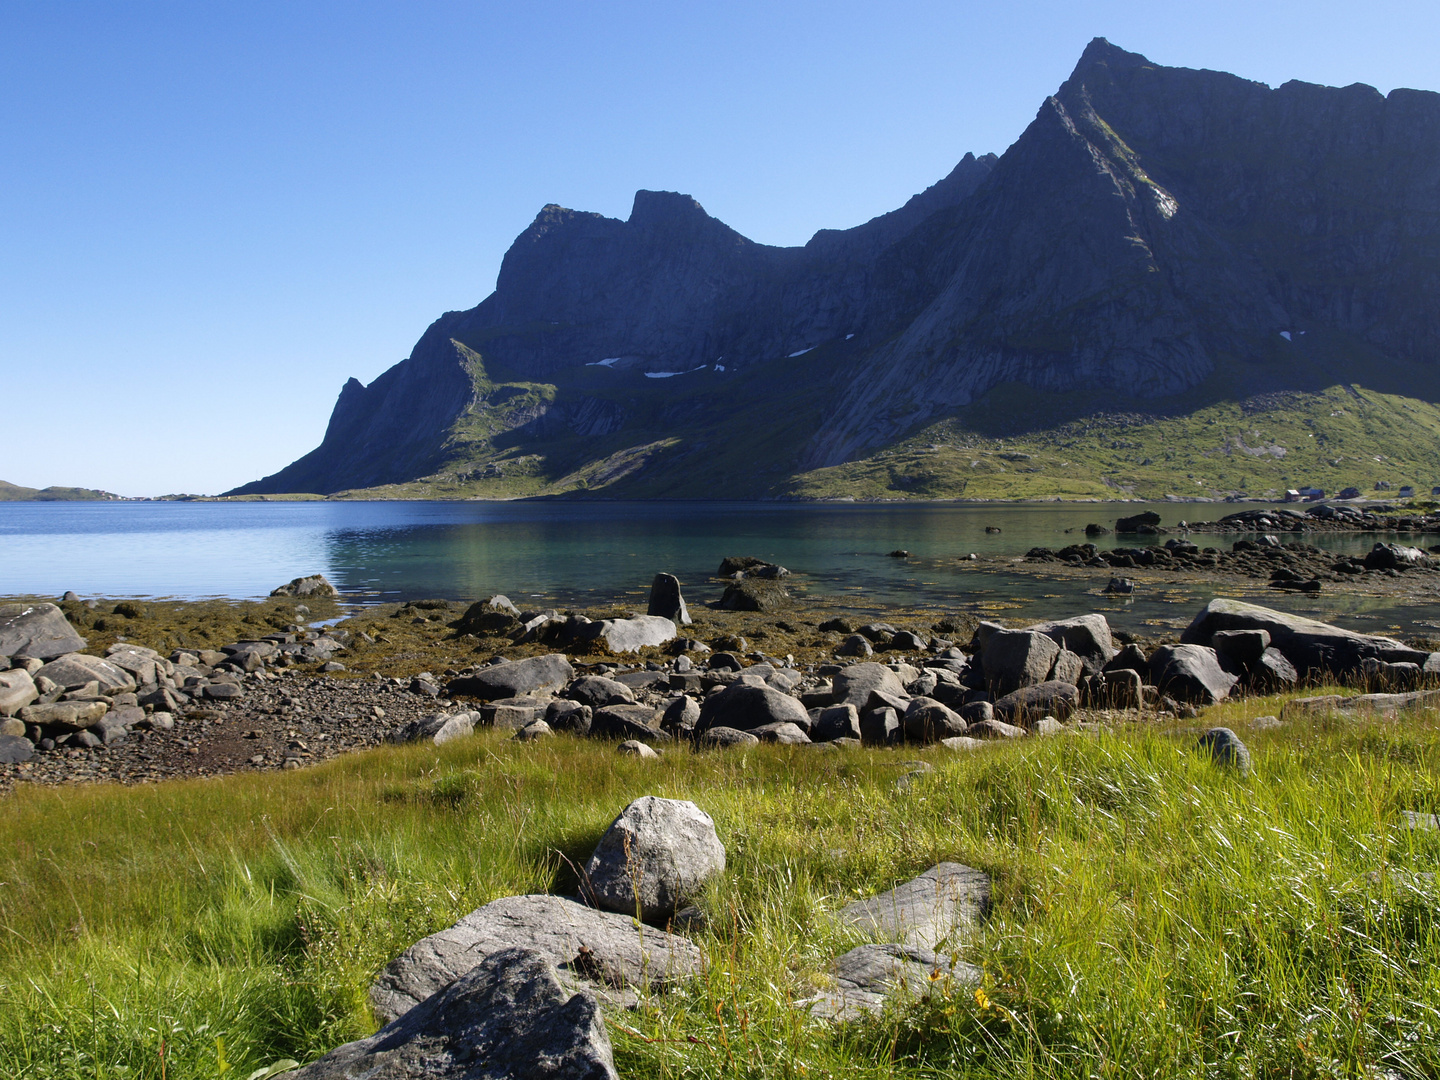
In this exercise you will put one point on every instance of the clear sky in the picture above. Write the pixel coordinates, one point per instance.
(214, 213)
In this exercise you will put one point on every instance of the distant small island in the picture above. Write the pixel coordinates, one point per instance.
(16, 493)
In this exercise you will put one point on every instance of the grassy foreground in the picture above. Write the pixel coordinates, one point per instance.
(1154, 915)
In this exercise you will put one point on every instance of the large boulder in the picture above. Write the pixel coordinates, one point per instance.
(312, 585)
(76, 669)
(1225, 748)
(627, 635)
(17, 690)
(928, 721)
(1191, 673)
(836, 722)
(1028, 704)
(598, 691)
(754, 596)
(514, 679)
(1088, 636)
(65, 715)
(626, 722)
(37, 631)
(744, 706)
(1015, 658)
(1394, 557)
(494, 616)
(854, 684)
(1145, 522)
(599, 950)
(654, 859)
(1313, 647)
(510, 1017)
(667, 601)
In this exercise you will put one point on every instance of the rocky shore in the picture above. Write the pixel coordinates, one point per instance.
(757, 665)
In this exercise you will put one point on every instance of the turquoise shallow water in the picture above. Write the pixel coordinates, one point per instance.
(580, 553)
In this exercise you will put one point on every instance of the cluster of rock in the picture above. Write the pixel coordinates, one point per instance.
(1296, 567)
(1321, 517)
(54, 697)
(518, 986)
(1012, 681)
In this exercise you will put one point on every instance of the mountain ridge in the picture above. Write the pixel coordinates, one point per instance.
(1150, 227)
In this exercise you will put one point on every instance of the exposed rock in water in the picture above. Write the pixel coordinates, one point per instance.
(313, 585)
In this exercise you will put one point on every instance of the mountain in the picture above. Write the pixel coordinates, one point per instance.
(1158, 241)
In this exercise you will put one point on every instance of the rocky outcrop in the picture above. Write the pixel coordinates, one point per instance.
(510, 1017)
(599, 950)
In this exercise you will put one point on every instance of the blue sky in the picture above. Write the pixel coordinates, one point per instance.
(215, 213)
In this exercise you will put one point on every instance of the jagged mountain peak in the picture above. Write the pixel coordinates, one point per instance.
(1151, 227)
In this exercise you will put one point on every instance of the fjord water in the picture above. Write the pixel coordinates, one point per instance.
(579, 553)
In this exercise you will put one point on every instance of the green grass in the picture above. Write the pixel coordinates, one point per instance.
(1331, 439)
(1154, 915)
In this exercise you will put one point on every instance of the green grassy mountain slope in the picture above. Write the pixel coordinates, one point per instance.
(16, 493)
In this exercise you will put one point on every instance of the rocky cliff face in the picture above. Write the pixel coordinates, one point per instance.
(1149, 223)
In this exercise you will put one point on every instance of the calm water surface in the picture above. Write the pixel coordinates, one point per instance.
(580, 553)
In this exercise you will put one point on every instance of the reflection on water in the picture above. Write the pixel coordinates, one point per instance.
(582, 553)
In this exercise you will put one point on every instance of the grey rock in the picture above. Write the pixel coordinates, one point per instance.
(974, 712)
(625, 722)
(311, 585)
(908, 641)
(36, 631)
(537, 729)
(597, 949)
(928, 721)
(76, 669)
(654, 859)
(1025, 706)
(869, 974)
(746, 707)
(754, 596)
(510, 1017)
(1047, 725)
(1311, 646)
(961, 742)
(598, 691)
(569, 716)
(854, 685)
(786, 734)
(1068, 668)
(994, 729)
(15, 749)
(836, 722)
(489, 617)
(1191, 673)
(1015, 658)
(438, 728)
(942, 905)
(1087, 636)
(636, 748)
(1273, 673)
(627, 635)
(1120, 688)
(1225, 747)
(727, 738)
(223, 691)
(65, 715)
(855, 645)
(667, 601)
(17, 689)
(514, 679)
(880, 727)
(1394, 557)
(682, 714)
(510, 714)
(1240, 650)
